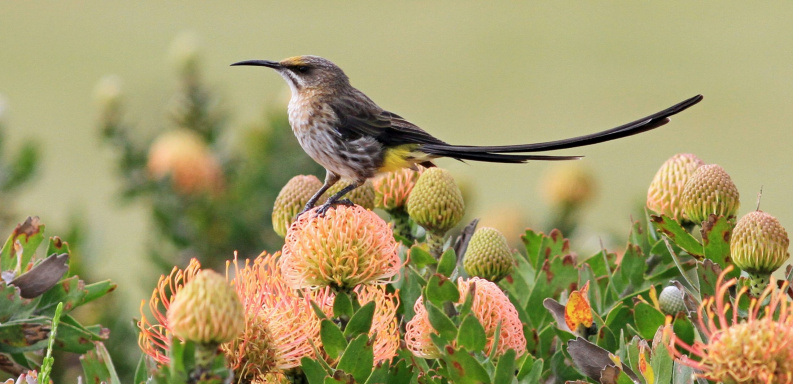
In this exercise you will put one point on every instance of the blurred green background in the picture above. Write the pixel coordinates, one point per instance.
(468, 72)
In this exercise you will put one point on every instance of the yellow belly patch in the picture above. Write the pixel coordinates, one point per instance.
(402, 156)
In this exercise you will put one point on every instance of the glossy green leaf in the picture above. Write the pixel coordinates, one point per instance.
(471, 334)
(447, 263)
(342, 305)
(70, 291)
(400, 373)
(410, 292)
(678, 235)
(313, 370)
(530, 371)
(716, 233)
(463, 368)
(442, 323)
(420, 257)
(333, 340)
(505, 369)
(441, 290)
(361, 321)
(358, 358)
(532, 241)
(647, 320)
(24, 335)
(98, 366)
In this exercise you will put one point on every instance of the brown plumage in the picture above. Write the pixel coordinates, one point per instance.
(354, 139)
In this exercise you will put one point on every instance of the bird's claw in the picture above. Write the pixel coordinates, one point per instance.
(346, 202)
(323, 209)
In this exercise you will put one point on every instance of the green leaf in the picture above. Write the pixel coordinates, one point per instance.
(358, 358)
(629, 275)
(505, 370)
(517, 282)
(70, 291)
(716, 233)
(97, 290)
(361, 321)
(29, 234)
(471, 335)
(313, 370)
(662, 364)
(463, 368)
(24, 335)
(412, 285)
(442, 323)
(57, 246)
(684, 329)
(447, 263)
(532, 242)
(342, 305)
(678, 235)
(98, 366)
(530, 371)
(647, 320)
(400, 373)
(441, 290)
(73, 337)
(141, 372)
(420, 257)
(12, 305)
(333, 339)
(707, 273)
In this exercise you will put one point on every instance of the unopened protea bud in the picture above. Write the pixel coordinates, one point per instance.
(207, 310)
(292, 199)
(665, 193)
(759, 246)
(710, 190)
(671, 300)
(568, 184)
(436, 202)
(363, 195)
(184, 157)
(393, 188)
(488, 255)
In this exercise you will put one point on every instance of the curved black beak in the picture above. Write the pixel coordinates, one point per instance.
(260, 63)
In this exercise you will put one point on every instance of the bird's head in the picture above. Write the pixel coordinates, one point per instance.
(305, 72)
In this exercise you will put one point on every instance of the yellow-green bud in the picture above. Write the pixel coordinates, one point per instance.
(363, 195)
(710, 190)
(488, 255)
(207, 310)
(436, 202)
(292, 199)
(759, 246)
(665, 193)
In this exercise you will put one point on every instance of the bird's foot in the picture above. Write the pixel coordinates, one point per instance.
(323, 209)
(346, 202)
(307, 208)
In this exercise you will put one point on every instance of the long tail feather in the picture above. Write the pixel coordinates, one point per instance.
(642, 125)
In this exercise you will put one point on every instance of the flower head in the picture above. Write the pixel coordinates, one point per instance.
(345, 247)
(759, 246)
(184, 157)
(436, 202)
(666, 190)
(154, 337)
(754, 350)
(280, 325)
(490, 306)
(206, 310)
(488, 255)
(291, 200)
(710, 190)
(393, 188)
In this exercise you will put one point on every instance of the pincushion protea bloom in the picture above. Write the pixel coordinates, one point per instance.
(347, 246)
(207, 310)
(393, 188)
(154, 338)
(666, 190)
(184, 157)
(755, 350)
(759, 247)
(710, 190)
(490, 306)
(280, 325)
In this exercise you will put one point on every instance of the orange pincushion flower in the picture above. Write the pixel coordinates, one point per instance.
(154, 338)
(393, 188)
(490, 306)
(384, 324)
(280, 325)
(347, 246)
(755, 350)
(184, 157)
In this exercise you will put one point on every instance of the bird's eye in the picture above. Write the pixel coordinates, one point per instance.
(302, 69)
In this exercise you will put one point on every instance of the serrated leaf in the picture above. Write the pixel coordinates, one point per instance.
(12, 305)
(518, 282)
(333, 340)
(442, 323)
(313, 370)
(463, 368)
(447, 263)
(716, 233)
(69, 291)
(358, 358)
(532, 241)
(471, 334)
(629, 275)
(678, 235)
(74, 338)
(707, 274)
(441, 290)
(361, 321)
(342, 305)
(420, 257)
(98, 366)
(97, 290)
(647, 320)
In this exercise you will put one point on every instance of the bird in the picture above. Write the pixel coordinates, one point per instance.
(355, 139)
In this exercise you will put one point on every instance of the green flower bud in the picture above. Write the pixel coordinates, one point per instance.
(488, 255)
(665, 193)
(292, 199)
(436, 202)
(710, 190)
(759, 246)
(671, 300)
(207, 310)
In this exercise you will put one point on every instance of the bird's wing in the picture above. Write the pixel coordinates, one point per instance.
(357, 119)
